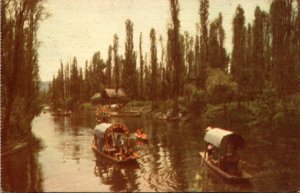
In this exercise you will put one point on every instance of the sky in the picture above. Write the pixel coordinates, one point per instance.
(82, 27)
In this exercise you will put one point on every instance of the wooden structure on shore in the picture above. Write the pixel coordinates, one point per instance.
(110, 96)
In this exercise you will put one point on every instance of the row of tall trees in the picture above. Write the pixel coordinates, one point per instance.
(19, 72)
(264, 51)
(267, 49)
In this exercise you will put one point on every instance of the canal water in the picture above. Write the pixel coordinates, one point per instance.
(170, 162)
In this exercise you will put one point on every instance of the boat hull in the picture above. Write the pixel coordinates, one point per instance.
(125, 114)
(61, 114)
(244, 177)
(127, 160)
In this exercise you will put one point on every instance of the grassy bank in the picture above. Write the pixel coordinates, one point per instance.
(265, 113)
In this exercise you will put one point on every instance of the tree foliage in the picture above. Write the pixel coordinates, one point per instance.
(264, 52)
(153, 51)
(141, 75)
(175, 53)
(220, 87)
(19, 57)
(203, 58)
(218, 57)
(129, 79)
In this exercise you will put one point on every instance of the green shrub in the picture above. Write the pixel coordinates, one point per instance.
(20, 120)
(265, 108)
(277, 113)
(287, 114)
(237, 117)
(87, 106)
(194, 100)
(136, 103)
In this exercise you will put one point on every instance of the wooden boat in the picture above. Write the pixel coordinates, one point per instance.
(61, 113)
(244, 176)
(125, 114)
(174, 118)
(112, 142)
(221, 155)
(114, 158)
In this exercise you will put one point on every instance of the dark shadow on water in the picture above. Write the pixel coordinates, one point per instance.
(21, 172)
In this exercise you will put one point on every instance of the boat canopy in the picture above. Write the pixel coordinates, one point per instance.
(117, 128)
(218, 137)
(104, 129)
(101, 128)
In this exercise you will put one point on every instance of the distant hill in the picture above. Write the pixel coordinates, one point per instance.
(44, 85)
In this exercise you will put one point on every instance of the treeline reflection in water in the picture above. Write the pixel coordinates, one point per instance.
(21, 173)
(169, 162)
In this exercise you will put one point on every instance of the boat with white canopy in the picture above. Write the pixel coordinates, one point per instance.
(221, 154)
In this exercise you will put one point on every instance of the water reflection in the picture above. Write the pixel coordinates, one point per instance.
(169, 162)
(21, 174)
(120, 177)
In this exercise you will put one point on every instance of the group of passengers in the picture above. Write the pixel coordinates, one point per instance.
(121, 148)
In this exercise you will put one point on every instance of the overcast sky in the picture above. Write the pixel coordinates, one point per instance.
(82, 27)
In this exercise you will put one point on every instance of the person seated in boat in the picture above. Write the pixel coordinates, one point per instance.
(210, 149)
(138, 131)
(214, 156)
(121, 153)
(119, 145)
(118, 142)
(109, 143)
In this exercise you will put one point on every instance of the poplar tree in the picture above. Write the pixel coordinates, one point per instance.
(189, 54)
(116, 63)
(74, 82)
(218, 58)
(108, 67)
(296, 46)
(141, 68)
(203, 62)
(153, 51)
(258, 63)
(283, 66)
(19, 73)
(169, 65)
(176, 53)
(129, 77)
(238, 51)
(197, 55)
(249, 79)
